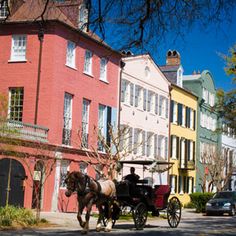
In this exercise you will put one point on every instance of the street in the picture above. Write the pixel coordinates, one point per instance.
(65, 224)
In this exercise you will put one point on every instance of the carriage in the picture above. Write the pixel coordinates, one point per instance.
(142, 199)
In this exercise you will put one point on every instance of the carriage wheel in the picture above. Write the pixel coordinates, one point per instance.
(174, 212)
(115, 214)
(140, 215)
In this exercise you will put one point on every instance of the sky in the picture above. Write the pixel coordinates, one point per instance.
(200, 50)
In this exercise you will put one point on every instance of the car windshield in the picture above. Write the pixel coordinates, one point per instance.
(224, 195)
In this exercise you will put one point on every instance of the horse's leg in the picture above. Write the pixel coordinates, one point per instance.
(100, 211)
(87, 217)
(79, 215)
(109, 219)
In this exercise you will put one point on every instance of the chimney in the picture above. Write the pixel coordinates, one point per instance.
(172, 58)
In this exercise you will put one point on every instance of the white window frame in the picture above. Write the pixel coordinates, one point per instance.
(88, 62)
(174, 147)
(173, 187)
(103, 69)
(182, 157)
(18, 48)
(4, 10)
(16, 104)
(85, 118)
(65, 167)
(70, 54)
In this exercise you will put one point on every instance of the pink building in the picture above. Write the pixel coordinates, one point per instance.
(61, 82)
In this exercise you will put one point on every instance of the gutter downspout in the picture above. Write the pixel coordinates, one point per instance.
(40, 37)
(169, 144)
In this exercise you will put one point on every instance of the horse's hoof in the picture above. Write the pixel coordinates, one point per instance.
(107, 230)
(84, 231)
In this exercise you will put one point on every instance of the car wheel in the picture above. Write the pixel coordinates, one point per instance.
(232, 212)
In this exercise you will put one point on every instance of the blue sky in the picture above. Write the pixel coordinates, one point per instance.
(200, 50)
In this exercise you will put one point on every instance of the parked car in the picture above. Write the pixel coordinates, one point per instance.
(222, 202)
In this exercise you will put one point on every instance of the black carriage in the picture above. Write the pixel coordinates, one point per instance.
(141, 198)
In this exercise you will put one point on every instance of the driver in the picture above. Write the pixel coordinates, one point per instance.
(132, 177)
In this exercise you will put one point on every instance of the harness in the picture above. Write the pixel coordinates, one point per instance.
(85, 190)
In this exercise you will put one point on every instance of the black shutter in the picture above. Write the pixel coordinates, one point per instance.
(171, 145)
(171, 111)
(177, 147)
(108, 126)
(180, 109)
(194, 120)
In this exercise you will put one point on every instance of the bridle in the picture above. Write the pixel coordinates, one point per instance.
(81, 190)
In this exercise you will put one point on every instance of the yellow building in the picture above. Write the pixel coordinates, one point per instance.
(182, 143)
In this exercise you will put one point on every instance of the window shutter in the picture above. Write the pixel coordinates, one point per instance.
(160, 104)
(186, 117)
(136, 96)
(193, 151)
(166, 148)
(180, 183)
(171, 111)
(122, 90)
(143, 143)
(171, 145)
(144, 99)
(155, 145)
(175, 183)
(159, 145)
(177, 147)
(185, 184)
(186, 152)
(167, 108)
(149, 100)
(192, 183)
(180, 107)
(156, 104)
(131, 94)
(148, 143)
(194, 119)
(130, 139)
(135, 140)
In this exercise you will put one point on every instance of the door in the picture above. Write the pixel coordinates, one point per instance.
(12, 175)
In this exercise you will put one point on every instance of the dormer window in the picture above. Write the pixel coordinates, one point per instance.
(3, 10)
(83, 17)
(180, 77)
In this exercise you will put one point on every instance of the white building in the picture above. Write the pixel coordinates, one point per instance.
(145, 112)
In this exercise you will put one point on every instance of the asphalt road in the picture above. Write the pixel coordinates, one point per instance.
(65, 224)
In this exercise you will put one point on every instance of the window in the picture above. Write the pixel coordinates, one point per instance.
(174, 111)
(205, 95)
(174, 147)
(85, 123)
(147, 72)
(3, 10)
(192, 119)
(150, 142)
(138, 96)
(125, 91)
(151, 102)
(190, 184)
(16, 97)
(173, 184)
(88, 62)
(18, 49)
(162, 147)
(63, 173)
(182, 153)
(83, 16)
(105, 118)
(184, 116)
(181, 187)
(103, 69)
(137, 141)
(66, 137)
(70, 54)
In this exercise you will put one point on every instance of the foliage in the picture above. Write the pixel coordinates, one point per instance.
(227, 100)
(199, 200)
(11, 214)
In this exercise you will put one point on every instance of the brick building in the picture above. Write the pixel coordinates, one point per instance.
(61, 81)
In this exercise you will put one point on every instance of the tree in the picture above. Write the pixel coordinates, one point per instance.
(216, 171)
(227, 100)
(144, 23)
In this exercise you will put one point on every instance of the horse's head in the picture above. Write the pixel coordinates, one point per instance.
(75, 181)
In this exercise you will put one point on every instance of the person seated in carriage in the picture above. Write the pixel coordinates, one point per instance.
(132, 177)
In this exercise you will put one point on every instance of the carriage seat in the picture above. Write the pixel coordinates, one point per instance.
(162, 193)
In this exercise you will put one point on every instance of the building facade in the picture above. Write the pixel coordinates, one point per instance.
(207, 124)
(52, 73)
(145, 104)
(183, 130)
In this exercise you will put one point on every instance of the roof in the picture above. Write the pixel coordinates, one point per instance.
(170, 71)
(191, 77)
(66, 13)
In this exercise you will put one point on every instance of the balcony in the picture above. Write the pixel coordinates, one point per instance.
(25, 131)
(187, 165)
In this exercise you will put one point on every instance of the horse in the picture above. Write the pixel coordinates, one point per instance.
(90, 192)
